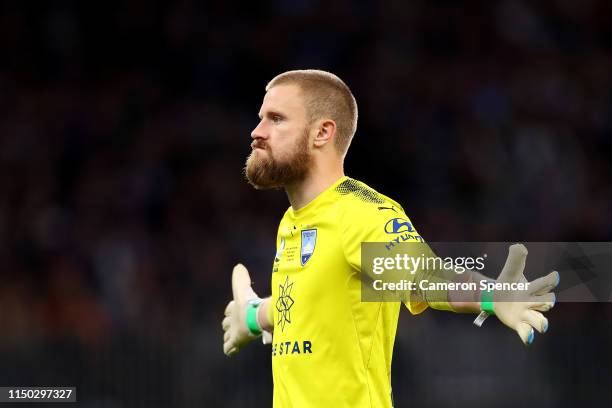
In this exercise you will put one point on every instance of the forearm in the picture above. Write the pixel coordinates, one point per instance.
(265, 316)
(517, 303)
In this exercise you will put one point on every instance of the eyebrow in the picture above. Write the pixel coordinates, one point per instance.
(272, 113)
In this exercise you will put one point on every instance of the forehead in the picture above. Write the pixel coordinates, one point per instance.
(285, 99)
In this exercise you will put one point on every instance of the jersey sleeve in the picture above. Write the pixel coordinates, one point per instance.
(378, 223)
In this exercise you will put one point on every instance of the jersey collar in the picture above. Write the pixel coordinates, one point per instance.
(313, 205)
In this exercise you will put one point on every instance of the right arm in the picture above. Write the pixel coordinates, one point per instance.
(265, 316)
(246, 316)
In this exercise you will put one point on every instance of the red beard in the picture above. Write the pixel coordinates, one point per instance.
(263, 171)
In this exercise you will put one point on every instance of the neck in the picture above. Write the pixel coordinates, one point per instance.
(316, 181)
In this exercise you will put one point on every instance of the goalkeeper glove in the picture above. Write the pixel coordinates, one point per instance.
(240, 324)
(520, 309)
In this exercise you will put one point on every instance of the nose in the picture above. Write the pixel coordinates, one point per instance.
(259, 131)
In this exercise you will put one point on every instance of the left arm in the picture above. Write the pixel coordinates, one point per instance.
(520, 310)
(466, 301)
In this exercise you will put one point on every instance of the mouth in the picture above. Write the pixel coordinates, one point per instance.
(257, 146)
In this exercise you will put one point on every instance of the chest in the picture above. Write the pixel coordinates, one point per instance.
(308, 252)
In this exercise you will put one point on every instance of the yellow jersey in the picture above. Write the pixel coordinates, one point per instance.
(329, 348)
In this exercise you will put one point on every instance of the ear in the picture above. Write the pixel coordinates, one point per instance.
(325, 133)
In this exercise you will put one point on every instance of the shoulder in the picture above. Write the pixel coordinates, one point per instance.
(356, 197)
(364, 209)
(369, 216)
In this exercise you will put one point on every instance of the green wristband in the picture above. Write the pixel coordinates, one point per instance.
(486, 301)
(251, 316)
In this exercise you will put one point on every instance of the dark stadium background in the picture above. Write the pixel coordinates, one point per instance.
(124, 126)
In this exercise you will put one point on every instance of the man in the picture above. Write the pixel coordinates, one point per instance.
(329, 348)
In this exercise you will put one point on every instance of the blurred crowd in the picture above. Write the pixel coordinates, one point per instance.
(124, 127)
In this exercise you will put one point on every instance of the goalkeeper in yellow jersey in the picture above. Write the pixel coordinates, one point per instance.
(330, 349)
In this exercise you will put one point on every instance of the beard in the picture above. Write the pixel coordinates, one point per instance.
(264, 171)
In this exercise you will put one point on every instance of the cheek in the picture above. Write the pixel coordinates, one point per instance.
(286, 150)
(278, 144)
(285, 144)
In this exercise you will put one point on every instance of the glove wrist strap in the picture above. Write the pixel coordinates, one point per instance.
(486, 301)
(251, 316)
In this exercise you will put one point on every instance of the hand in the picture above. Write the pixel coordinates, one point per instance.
(236, 333)
(521, 310)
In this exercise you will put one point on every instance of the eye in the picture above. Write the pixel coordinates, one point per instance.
(276, 119)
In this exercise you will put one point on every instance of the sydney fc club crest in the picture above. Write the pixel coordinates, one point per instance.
(309, 241)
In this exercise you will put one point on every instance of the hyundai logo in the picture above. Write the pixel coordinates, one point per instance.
(398, 225)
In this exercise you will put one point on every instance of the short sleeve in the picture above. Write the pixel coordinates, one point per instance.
(377, 223)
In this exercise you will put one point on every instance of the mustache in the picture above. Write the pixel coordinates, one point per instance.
(258, 144)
